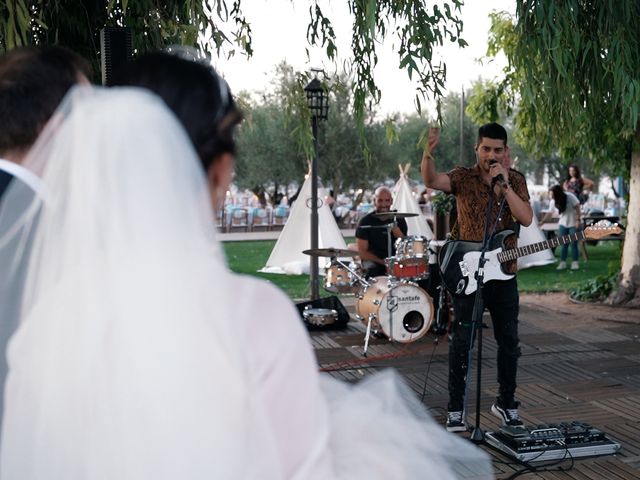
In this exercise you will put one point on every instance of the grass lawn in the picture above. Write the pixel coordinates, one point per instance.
(604, 258)
(248, 257)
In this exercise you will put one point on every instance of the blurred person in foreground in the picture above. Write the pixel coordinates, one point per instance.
(142, 355)
(33, 81)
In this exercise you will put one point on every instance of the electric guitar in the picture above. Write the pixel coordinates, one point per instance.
(459, 259)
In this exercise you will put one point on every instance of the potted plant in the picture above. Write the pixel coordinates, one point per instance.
(443, 204)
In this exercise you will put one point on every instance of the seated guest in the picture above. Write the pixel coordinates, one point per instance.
(372, 235)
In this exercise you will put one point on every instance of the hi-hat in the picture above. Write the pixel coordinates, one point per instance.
(330, 252)
(388, 215)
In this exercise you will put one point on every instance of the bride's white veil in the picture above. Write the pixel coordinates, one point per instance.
(126, 364)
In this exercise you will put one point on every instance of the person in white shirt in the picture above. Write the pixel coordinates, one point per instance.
(569, 223)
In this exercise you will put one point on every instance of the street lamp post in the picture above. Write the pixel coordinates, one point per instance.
(318, 103)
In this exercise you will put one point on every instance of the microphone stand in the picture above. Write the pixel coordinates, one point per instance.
(477, 434)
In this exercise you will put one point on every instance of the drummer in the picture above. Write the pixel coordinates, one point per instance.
(371, 235)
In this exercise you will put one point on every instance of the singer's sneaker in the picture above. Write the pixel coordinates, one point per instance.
(509, 416)
(455, 422)
(575, 266)
(562, 266)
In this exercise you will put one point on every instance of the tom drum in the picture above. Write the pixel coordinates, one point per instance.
(338, 278)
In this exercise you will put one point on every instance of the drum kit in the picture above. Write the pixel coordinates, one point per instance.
(392, 305)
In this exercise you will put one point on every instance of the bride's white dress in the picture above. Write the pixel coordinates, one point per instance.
(140, 356)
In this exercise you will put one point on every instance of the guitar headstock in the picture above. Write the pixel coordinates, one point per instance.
(602, 229)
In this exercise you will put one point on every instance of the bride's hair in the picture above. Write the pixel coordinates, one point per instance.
(195, 93)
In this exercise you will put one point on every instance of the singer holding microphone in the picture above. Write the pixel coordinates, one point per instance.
(490, 198)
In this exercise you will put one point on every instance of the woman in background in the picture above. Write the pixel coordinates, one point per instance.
(569, 223)
(577, 184)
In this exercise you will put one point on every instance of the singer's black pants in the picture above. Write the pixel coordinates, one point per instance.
(502, 300)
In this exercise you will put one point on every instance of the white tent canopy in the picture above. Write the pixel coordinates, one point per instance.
(404, 201)
(527, 236)
(286, 256)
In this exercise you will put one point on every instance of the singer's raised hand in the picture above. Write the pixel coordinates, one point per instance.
(433, 138)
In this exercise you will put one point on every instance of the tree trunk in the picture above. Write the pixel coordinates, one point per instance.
(628, 291)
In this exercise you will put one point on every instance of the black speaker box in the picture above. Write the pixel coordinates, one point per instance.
(116, 50)
(331, 303)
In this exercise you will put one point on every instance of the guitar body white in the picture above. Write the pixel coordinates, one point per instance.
(492, 269)
(459, 259)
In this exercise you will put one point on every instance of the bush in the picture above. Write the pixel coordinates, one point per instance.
(596, 289)
(443, 202)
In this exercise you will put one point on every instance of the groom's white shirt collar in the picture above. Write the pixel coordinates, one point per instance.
(27, 176)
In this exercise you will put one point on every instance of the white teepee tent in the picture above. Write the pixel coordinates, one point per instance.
(286, 256)
(403, 201)
(527, 236)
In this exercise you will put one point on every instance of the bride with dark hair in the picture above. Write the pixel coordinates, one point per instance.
(140, 355)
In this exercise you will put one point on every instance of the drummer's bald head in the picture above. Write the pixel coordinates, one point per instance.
(380, 190)
(382, 199)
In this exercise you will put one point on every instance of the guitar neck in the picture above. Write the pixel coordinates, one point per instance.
(515, 253)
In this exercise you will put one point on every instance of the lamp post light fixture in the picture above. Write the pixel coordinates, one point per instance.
(318, 103)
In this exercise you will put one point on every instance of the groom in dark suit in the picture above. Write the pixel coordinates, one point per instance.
(33, 81)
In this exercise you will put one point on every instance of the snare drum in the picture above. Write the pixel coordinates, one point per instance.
(403, 269)
(320, 317)
(402, 311)
(338, 278)
(411, 259)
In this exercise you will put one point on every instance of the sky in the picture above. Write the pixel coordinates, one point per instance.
(279, 33)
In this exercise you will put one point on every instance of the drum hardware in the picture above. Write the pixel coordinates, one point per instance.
(330, 252)
(320, 316)
(340, 277)
(384, 216)
(367, 334)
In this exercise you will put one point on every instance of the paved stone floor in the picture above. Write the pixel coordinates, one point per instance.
(579, 362)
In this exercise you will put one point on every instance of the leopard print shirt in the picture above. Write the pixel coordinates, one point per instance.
(472, 196)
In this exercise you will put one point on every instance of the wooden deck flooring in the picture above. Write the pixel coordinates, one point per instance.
(585, 370)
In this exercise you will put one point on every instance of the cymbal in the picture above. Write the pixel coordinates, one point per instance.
(389, 215)
(330, 252)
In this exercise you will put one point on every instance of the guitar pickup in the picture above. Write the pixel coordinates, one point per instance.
(464, 268)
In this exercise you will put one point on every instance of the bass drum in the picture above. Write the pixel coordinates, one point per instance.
(402, 311)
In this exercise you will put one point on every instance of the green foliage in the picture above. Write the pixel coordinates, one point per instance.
(573, 66)
(443, 203)
(595, 289)
(219, 26)
(417, 31)
(76, 24)
(269, 156)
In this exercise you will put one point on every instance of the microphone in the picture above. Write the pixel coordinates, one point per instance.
(497, 178)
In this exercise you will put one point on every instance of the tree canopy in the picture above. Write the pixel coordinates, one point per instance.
(219, 27)
(574, 70)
